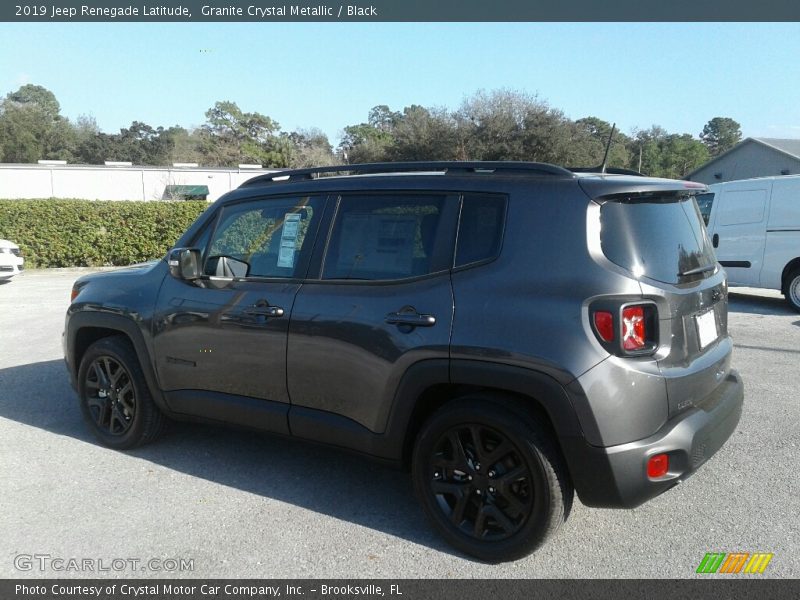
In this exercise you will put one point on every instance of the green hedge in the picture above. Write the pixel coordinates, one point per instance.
(87, 233)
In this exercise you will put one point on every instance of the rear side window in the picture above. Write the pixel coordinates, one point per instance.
(657, 236)
(380, 237)
(480, 229)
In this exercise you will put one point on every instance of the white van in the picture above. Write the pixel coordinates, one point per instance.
(754, 226)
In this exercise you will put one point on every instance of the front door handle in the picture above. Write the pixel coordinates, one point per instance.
(410, 319)
(262, 307)
(715, 240)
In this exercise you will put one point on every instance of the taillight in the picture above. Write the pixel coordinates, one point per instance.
(604, 324)
(634, 334)
(625, 329)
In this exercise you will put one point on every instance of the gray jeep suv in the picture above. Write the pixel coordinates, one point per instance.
(510, 332)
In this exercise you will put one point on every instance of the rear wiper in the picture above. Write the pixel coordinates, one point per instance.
(698, 270)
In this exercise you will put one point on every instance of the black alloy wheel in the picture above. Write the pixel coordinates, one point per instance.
(114, 396)
(110, 396)
(481, 482)
(490, 477)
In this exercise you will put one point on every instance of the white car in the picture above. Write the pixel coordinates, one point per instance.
(10, 260)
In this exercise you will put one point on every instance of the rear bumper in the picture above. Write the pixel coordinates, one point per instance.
(616, 476)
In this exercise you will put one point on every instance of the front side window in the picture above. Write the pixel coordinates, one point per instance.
(385, 237)
(265, 238)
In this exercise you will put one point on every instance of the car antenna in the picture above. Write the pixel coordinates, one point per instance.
(608, 147)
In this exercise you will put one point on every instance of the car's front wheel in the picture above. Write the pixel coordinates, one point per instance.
(115, 400)
(490, 478)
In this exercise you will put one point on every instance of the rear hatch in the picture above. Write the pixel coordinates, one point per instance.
(659, 237)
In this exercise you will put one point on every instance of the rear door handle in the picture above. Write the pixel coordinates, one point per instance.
(411, 319)
(715, 240)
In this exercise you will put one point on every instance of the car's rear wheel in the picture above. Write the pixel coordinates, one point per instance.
(115, 400)
(490, 478)
(793, 289)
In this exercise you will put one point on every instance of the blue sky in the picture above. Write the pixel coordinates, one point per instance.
(329, 75)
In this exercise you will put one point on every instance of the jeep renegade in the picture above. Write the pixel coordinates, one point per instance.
(511, 332)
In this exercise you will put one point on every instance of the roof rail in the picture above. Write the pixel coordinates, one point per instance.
(608, 170)
(450, 167)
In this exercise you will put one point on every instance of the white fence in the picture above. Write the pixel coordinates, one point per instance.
(114, 182)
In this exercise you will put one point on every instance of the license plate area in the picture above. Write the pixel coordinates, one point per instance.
(707, 332)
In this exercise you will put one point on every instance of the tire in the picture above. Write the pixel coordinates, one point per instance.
(504, 508)
(114, 397)
(793, 289)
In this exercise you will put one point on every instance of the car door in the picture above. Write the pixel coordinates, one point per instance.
(220, 342)
(383, 302)
(738, 231)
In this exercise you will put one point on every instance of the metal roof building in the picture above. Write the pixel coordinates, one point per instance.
(752, 157)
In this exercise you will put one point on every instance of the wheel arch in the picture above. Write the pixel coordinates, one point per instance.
(419, 396)
(84, 329)
(790, 268)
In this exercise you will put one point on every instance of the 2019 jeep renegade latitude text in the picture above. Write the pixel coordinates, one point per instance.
(510, 331)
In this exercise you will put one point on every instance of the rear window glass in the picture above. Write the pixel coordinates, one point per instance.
(660, 237)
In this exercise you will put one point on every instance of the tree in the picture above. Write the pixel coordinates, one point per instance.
(184, 146)
(367, 142)
(721, 134)
(85, 129)
(231, 136)
(20, 136)
(382, 118)
(682, 154)
(492, 124)
(646, 149)
(512, 125)
(31, 127)
(591, 140)
(424, 134)
(666, 154)
(35, 95)
(489, 125)
(94, 149)
(310, 148)
(142, 144)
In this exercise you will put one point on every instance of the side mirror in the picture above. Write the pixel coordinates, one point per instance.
(184, 263)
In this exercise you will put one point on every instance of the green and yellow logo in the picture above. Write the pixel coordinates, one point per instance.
(734, 562)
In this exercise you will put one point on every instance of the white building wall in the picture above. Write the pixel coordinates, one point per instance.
(114, 183)
(121, 184)
(26, 183)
